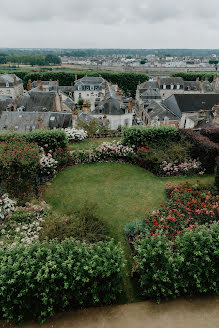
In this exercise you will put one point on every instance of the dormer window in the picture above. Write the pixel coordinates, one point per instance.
(91, 87)
(7, 85)
(87, 88)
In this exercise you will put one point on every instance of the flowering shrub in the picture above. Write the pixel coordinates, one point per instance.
(7, 206)
(186, 266)
(173, 240)
(75, 134)
(186, 168)
(18, 165)
(203, 148)
(114, 150)
(187, 207)
(47, 164)
(23, 224)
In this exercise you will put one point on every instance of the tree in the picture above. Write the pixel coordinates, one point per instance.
(52, 59)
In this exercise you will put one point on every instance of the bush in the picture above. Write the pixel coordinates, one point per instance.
(18, 165)
(48, 139)
(169, 269)
(192, 76)
(144, 136)
(40, 279)
(217, 174)
(152, 158)
(83, 225)
(212, 134)
(75, 134)
(203, 149)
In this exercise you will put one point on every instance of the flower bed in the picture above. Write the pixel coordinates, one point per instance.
(171, 242)
(190, 167)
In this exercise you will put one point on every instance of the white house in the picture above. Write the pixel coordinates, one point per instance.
(11, 86)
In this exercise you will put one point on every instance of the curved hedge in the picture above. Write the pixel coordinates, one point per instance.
(39, 279)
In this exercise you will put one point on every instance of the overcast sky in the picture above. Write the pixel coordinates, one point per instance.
(109, 23)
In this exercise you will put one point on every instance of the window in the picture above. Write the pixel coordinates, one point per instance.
(7, 85)
(87, 88)
(91, 87)
(79, 95)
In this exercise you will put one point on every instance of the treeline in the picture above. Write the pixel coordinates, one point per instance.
(30, 59)
(126, 81)
(111, 52)
(194, 75)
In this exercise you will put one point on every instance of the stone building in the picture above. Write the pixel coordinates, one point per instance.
(11, 86)
(114, 107)
(89, 88)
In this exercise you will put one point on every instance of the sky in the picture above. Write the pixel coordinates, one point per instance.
(141, 24)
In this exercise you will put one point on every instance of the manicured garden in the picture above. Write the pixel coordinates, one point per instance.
(64, 197)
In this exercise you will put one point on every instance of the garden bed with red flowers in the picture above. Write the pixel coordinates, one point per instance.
(175, 247)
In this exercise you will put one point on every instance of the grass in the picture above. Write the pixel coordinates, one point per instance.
(123, 193)
(91, 143)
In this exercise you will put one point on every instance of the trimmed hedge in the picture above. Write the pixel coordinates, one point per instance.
(40, 279)
(169, 269)
(127, 81)
(192, 76)
(212, 134)
(142, 136)
(48, 139)
(204, 149)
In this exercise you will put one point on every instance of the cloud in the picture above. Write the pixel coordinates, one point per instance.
(109, 23)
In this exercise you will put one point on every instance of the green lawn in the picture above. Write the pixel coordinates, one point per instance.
(91, 143)
(123, 192)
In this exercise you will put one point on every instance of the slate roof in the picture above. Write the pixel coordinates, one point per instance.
(192, 85)
(111, 105)
(151, 93)
(182, 103)
(171, 80)
(157, 110)
(149, 84)
(90, 80)
(9, 78)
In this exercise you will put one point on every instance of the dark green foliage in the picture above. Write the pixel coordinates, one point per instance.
(144, 136)
(194, 75)
(153, 157)
(217, 174)
(186, 266)
(212, 134)
(203, 149)
(127, 81)
(40, 279)
(48, 139)
(83, 225)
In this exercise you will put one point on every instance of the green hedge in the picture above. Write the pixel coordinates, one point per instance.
(126, 81)
(143, 136)
(186, 266)
(54, 139)
(40, 279)
(192, 76)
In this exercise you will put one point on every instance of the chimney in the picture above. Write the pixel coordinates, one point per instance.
(40, 121)
(84, 108)
(130, 105)
(29, 85)
(158, 81)
(15, 106)
(201, 86)
(39, 85)
(54, 104)
(110, 83)
(15, 80)
(118, 93)
(61, 103)
(206, 78)
(76, 76)
(57, 83)
(197, 79)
